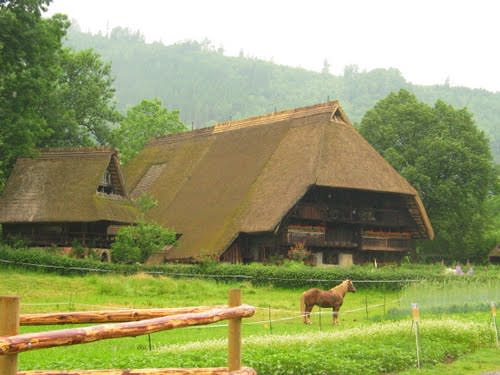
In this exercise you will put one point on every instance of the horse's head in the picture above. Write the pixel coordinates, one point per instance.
(350, 286)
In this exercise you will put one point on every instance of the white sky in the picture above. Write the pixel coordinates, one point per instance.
(427, 40)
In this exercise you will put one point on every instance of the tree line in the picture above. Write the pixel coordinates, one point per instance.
(54, 94)
(207, 87)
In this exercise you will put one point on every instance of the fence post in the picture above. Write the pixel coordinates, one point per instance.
(9, 326)
(234, 333)
(494, 321)
(270, 321)
(366, 306)
(319, 318)
(415, 313)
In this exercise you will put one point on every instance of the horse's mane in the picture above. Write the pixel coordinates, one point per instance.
(340, 289)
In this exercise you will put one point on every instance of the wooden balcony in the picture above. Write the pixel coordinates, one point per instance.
(317, 241)
(385, 243)
(318, 212)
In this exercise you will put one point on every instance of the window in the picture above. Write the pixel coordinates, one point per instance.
(106, 186)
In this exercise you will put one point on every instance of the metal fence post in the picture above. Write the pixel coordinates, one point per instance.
(9, 326)
(366, 306)
(234, 333)
(319, 318)
(270, 321)
(494, 320)
(415, 313)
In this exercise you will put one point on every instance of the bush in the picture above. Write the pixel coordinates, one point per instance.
(299, 252)
(298, 276)
(46, 260)
(77, 250)
(136, 243)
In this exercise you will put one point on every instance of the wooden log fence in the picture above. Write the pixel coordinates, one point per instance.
(167, 371)
(12, 343)
(9, 325)
(106, 316)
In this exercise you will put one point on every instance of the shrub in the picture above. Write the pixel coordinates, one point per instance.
(299, 253)
(136, 243)
(298, 276)
(14, 241)
(77, 250)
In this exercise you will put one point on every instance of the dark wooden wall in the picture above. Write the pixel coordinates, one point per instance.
(333, 221)
(93, 234)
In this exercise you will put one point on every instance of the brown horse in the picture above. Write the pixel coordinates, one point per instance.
(325, 298)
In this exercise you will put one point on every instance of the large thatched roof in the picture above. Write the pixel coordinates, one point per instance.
(244, 176)
(60, 185)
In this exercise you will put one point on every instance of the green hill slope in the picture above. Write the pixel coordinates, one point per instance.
(207, 86)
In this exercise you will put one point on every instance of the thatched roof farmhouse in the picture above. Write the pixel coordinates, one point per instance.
(66, 195)
(249, 190)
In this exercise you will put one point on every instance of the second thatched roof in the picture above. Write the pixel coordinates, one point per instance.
(60, 185)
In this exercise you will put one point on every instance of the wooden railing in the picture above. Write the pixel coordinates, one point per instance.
(385, 243)
(133, 323)
(319, 241)
(354, 215)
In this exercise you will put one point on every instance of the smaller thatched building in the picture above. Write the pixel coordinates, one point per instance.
(64, 196)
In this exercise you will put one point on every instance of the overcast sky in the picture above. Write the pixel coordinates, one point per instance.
(429, 41)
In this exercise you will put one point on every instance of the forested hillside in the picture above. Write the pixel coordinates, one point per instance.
(207, 86)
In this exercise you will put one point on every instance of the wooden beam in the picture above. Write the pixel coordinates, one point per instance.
(167, 371)
(30, 341)
(9, 325)
(107, 316)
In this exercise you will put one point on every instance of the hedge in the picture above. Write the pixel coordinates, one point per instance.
(289, 275)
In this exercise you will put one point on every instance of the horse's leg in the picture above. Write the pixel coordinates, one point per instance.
(335, 314)
(304, 314)
(307, 315)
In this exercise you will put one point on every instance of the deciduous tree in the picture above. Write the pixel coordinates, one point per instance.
(146, 120)
(29, 55)
(81, 108)
(447, 159)
(49, 95)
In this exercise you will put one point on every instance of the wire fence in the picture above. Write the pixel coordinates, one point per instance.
(207, 276)
(74, 304)
(285, 314)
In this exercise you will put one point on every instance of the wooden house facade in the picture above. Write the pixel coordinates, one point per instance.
(66, 196)
(339, 226)
(250, 190)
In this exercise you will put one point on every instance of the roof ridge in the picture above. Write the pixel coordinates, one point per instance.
(77, 149)
(72, 151)
(269, 118)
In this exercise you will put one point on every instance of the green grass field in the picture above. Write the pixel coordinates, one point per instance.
(375, 335)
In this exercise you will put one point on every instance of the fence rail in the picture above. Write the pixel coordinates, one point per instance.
(165, 371)
(106, 316)
(12, 343)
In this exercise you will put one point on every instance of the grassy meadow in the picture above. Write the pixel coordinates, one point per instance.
(375, 335)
